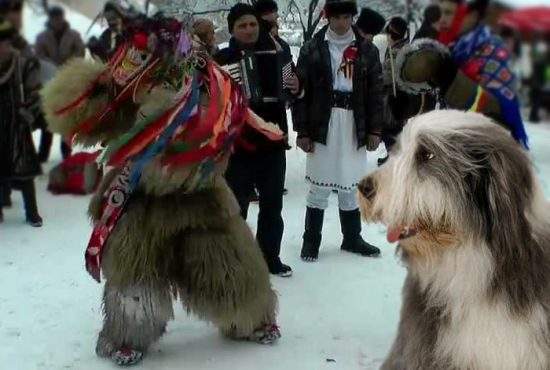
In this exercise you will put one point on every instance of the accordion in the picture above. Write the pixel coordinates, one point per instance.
(268, 86)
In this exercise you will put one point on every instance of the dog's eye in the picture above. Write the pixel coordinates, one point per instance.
(424, 155)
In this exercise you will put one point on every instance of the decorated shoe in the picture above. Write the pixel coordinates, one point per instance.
(268, 334)
(127, 357)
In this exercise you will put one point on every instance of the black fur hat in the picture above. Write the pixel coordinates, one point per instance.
(265, 6)
(370, 21)
(397, 28)
(338, 7)
(238, 10)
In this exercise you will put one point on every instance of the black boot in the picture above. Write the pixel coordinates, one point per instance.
(1, 215)
(276, 267)
(383, 160)
(350, 222)
(312, 234)
(5, 196)
(31, 209)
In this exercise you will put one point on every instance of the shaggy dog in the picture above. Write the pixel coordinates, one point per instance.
(461, 198)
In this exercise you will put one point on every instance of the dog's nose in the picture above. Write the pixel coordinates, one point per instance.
(366, 187)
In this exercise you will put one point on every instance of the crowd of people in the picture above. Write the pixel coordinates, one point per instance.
(362, 67)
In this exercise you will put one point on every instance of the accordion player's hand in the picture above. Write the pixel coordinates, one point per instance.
(293, 84)
(306, 144)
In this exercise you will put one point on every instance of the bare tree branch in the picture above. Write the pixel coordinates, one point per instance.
(293, 3)
(212, 11)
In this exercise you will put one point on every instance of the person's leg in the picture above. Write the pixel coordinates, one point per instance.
(224, 280)
(317, 202)
(29, 198)
(536, 95)
(270, 179)
(1, 203)
(135, 316)
(239, 178)
(5, 195)
(350, 222)
(46, 139)
(66, 149)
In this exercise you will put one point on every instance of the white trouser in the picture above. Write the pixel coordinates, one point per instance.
(318, 198)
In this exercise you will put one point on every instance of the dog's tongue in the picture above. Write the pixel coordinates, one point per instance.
(394, 233)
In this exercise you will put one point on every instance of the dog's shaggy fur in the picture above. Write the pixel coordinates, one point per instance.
(178, 237)
(474, 233)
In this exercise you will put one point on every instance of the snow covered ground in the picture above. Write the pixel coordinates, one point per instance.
(340, 313)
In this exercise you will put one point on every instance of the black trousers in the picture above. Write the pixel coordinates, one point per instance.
(266, 172)
(29, 195)
(46, 139)
(536, 102)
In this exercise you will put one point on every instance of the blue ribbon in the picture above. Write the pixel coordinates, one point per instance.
(158, 146)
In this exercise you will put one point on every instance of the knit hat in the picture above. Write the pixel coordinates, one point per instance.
(370, 22)
(111, 6)
(397, 28)
(7, 31)
(339, 7)
(237, 11)
(265, 6)
(432, 14)
(56, 11)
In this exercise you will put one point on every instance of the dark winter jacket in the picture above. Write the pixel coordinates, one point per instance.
(274, 112)
(104, 47)
(19, 107)
(426, 30)
(58, 49)
(311, 114)
(21, 45)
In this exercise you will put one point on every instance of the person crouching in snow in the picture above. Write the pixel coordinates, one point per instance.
(341, 70)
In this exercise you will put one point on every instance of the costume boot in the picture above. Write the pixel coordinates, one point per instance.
(350, 222)
(312, 234)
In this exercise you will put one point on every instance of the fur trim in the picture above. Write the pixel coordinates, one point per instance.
(197, 244)
(420, 44)
(70, 83)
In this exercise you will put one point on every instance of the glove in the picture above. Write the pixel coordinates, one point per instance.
(373, 141)
(306, 144)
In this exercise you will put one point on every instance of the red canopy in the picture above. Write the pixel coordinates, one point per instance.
(528, 20)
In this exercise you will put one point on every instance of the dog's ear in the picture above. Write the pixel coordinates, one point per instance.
(508, 185)
(506, 177)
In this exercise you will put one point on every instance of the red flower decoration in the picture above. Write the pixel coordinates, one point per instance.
(140, 41)
(350, 54)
